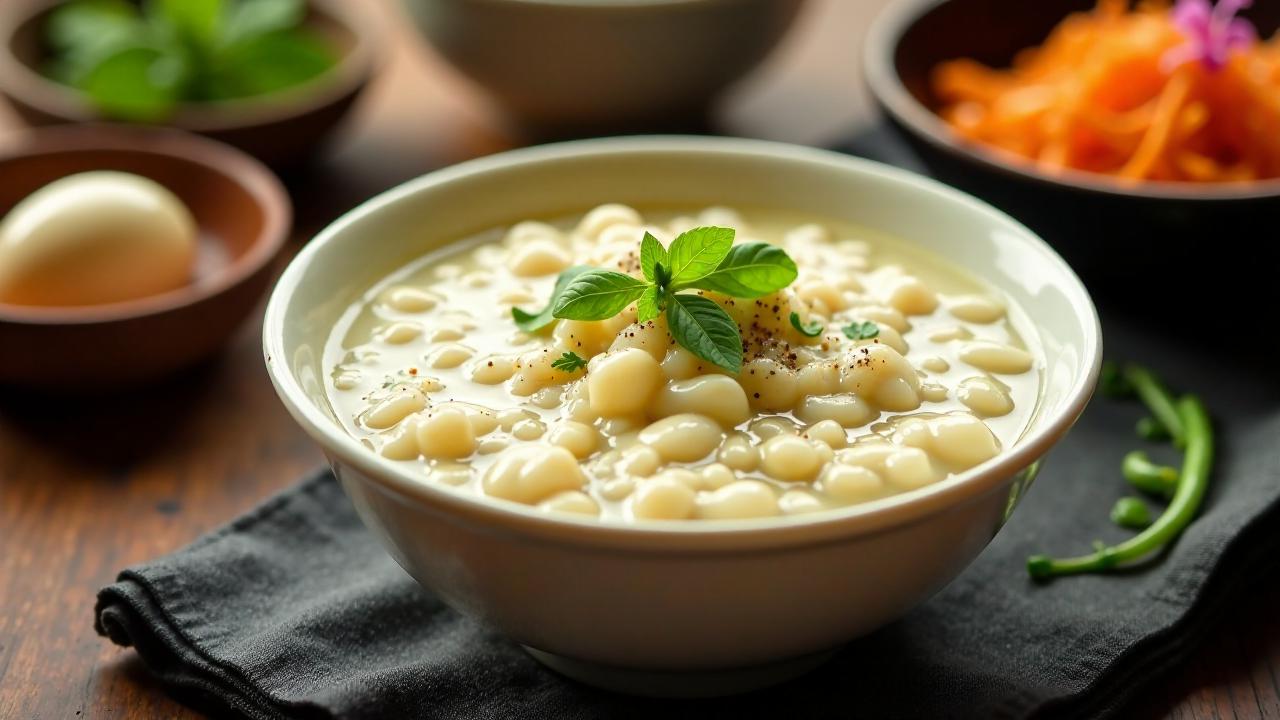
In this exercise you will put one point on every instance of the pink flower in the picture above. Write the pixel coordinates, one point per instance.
(1213, 32)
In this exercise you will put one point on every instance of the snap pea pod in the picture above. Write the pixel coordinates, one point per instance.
(1188, 422)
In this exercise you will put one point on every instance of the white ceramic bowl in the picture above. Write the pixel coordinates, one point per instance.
(680, 607)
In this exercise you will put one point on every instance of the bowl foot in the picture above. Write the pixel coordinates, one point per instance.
(681, 683)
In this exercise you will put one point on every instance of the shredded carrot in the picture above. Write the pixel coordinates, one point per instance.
(1101, 95)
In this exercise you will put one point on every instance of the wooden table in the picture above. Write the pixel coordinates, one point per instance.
(88, 488)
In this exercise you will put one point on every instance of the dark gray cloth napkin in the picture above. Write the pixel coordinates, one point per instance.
(295, 611)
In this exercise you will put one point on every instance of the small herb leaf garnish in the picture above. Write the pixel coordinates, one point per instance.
(597, 295)
(813, 328)
(569, 362)
(750, 271)
(706, 330)
(695, 253)
(860, 330)
(648, 307)
(652, 253)
(533, 322)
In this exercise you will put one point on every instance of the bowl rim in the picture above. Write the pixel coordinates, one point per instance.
(883, 38)
(680, 536)
(355, 67)
(266, 190)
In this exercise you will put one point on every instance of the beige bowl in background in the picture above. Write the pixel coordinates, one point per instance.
(689, 608)
(573, 66)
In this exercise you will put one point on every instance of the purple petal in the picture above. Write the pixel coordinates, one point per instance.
(1193, 16)
(1231, 8)
(1240, 34)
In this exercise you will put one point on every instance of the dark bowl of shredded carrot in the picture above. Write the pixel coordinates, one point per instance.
(1152, 123)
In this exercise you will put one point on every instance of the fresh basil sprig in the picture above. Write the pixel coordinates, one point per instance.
(703, 258)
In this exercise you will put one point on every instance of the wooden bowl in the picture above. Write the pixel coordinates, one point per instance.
(244, 217)
(1109, 231)
(281, 129)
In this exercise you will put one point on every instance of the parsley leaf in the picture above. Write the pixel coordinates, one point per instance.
(813, 328)
(569, 362)
(533, 322)
(860, 330)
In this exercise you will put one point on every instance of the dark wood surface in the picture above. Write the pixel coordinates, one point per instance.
(89, 486)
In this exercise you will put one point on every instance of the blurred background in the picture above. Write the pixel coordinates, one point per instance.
(362, 95)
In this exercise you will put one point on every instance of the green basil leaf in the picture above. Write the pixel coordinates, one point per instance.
(83, 34)
(597, 295)
(812, 328)
(860, 330)
(652, 253)
(696, 252)
(750, 271)
(661, 276)
(140, 84)
(703, 328)
(73, 25)
(648, 306)
(198, 22)
(268, 63)
(533, 322)
(249, 18)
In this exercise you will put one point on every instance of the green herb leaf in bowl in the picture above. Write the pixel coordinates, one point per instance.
(597, 295)
(706, 330)
(139, 62)
(533, 322)
(569, 362)
(813, 328)
(703, 259)
(861, 330)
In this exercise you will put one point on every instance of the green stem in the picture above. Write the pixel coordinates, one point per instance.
(1193, 482)
(1147, 476)
(1158, 398)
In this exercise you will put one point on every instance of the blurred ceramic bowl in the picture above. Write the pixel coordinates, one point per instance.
(1109, 231)
(243, 217)
(669, 607)
(281, 129)
(567, 66)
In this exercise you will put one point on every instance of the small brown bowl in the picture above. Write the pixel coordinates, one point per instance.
(281, 128)
(243, 214)
(1111, 233)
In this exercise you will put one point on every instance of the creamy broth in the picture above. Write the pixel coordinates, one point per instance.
(429, 370)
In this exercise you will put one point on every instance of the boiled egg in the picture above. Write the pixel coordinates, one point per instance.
(95, 238)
